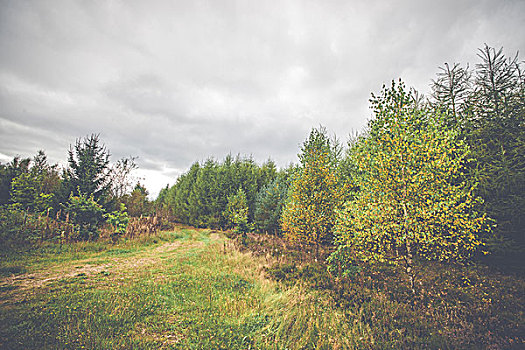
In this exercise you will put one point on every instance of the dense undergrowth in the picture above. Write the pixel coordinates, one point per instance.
(457, 306)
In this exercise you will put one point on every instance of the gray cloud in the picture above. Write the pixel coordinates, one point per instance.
(176, 82)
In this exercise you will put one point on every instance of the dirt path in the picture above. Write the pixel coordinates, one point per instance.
(16, 287)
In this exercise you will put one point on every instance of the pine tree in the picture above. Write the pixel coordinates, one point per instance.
(88, 169)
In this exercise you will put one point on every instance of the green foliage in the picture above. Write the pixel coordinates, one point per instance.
(14, 230)
(88, 169)
(8, 172)
(414, 199)
(118, 220)
(26, 195)
(32, 185)
(177, 198)
(496, 134)
(87, 214)
(200, 196)
(489, 108)
(269, 205)
(37, 191)
(206, 201)
(237, 212)
(137, 202)
(49, 181)
(315, 192)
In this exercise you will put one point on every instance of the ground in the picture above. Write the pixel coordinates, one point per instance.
(198, 289)
(183, 289)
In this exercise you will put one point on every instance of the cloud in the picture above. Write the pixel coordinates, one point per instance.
(176, 82)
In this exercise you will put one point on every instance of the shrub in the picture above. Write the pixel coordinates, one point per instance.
(85, 212)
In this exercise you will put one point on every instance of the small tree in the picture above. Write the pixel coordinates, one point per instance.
(136, 202)
(33, 189)
(413, 199)
(88, 171)
(121, 178)
(237, 212)
(87, 214)
(315, 193)
(118, 220)
(26, 193)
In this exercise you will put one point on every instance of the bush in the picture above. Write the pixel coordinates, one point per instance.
(14, 229)
(85, 212)
(118, 220)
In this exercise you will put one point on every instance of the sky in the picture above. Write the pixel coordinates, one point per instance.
(174, 82)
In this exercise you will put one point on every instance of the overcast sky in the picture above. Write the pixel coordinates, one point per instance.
(173, 82)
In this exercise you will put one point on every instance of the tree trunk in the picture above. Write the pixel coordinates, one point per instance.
(409, 257)
(409, 267)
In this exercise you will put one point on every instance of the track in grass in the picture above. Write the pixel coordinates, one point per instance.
(185, 289)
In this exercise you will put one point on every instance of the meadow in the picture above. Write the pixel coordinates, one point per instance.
(185, 289)
(198, 289)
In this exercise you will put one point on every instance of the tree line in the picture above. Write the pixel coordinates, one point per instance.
(88, 192)
(439, 177)
(233, 193)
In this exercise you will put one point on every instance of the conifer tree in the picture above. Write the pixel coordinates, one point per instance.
(496, 133)
(269, 205)
(88, 169)
(489, 110)
(237, 211)
(452, 89)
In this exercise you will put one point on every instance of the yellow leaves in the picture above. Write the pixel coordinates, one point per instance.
(406, 161)
(314, 195)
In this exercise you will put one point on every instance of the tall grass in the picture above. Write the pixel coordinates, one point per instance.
(200, 295)
(191, 289)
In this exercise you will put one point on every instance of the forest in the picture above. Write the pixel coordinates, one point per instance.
(413, 228)
(440, 177)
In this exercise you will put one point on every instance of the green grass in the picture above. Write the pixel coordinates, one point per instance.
(176, 290)
(191, 289)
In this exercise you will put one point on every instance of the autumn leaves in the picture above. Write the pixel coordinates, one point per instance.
(412, 200)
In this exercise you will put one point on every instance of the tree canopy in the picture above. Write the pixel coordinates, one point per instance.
(414, 199)
(315, 193)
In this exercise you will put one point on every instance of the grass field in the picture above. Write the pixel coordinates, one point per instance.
(184, 289)
(193, 289)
